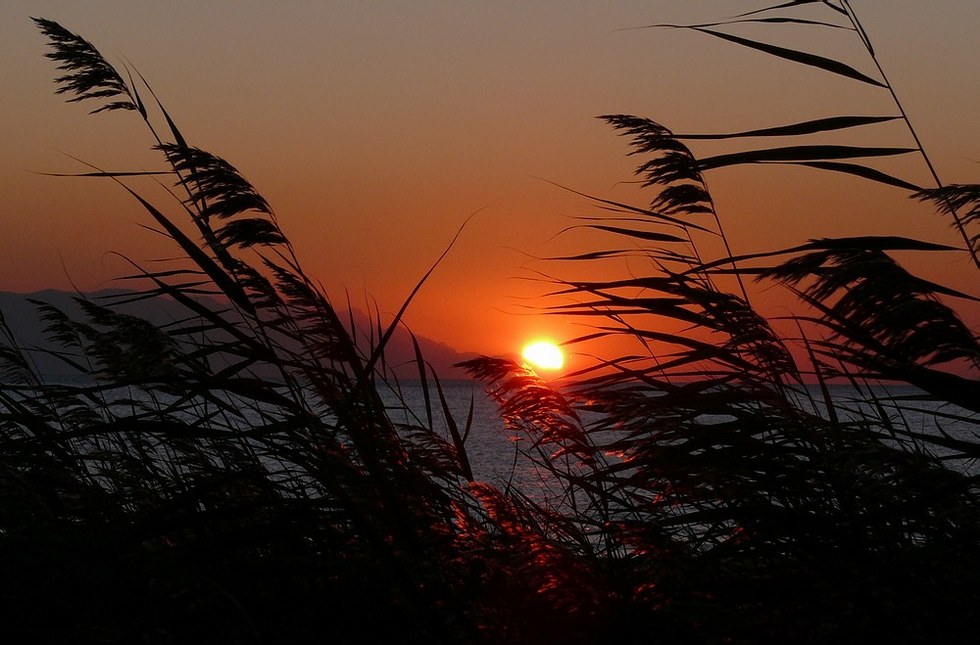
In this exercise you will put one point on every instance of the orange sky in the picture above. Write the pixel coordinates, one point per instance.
(375, 128)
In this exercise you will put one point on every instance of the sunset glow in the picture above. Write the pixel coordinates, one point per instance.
(544, 354)
(436, 316)
(455, 122)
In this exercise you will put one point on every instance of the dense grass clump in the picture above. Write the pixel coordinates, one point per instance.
(237, 475)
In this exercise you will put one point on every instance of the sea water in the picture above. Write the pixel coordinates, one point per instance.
(494, 451)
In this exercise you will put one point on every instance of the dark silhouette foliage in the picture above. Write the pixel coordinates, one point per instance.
(237, 475)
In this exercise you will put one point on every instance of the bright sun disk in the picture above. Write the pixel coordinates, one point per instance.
(544, 354)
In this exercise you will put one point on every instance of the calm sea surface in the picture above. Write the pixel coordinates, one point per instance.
(493, 449)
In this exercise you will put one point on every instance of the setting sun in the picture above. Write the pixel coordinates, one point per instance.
(544, 354)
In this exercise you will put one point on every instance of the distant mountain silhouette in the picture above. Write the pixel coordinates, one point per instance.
(23, 318)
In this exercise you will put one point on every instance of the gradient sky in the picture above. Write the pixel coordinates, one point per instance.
(375, 128)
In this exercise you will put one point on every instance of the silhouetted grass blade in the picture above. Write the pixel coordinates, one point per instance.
(861, 171)
(796, 129)
(649, 236)
(793, 3)
(812, 60)
(799, 153)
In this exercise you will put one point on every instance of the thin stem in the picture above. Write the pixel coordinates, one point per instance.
(866, 40)
(731, 255)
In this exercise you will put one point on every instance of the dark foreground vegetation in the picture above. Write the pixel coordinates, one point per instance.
(235, 476)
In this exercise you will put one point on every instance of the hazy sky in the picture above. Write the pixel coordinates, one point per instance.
(375, 128)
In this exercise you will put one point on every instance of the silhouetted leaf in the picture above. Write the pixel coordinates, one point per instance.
(109, 174)
(649, 236)
(768, 20)
(795, 129)
(227, 284)
(811, 60)
(792, 3)
(861, 171)
(798, 153)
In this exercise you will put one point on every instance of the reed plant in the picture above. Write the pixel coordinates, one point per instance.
(734, 483)
(233, 475)
(236, 475)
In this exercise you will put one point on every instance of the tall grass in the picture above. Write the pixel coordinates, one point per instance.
(233, 475)
(236, 475)
(727, 482)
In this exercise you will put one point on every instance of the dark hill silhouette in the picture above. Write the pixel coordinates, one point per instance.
(22, 316)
